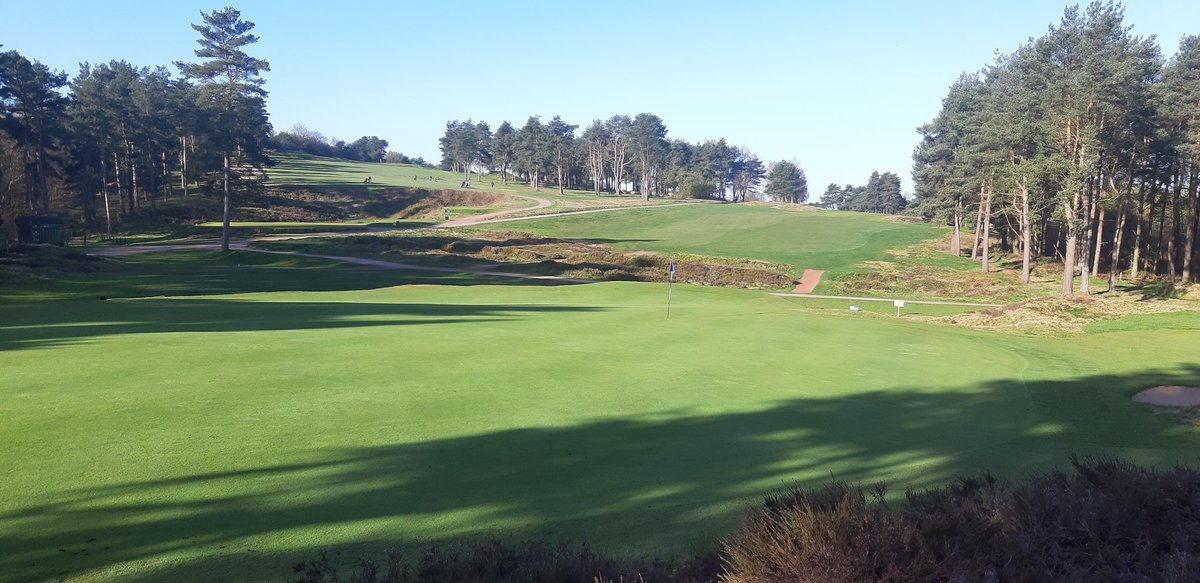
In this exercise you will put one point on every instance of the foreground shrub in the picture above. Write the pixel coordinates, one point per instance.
(1106, 521)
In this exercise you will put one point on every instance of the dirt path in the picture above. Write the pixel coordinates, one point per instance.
(484, 219)
(808, 281)
(488, 217)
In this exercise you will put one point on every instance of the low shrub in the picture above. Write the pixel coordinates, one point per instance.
(495, 561)
(1106, 521)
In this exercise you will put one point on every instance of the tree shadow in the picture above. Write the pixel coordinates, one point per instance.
(643, 484)
(75, 322)
(183, 273)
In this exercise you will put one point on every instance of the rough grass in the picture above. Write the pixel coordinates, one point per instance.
(527, 253)
(1055, 315)
(35, 262)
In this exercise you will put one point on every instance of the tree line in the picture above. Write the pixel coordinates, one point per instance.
(620, 155)
(1083, 144)
(118, 138)
(124, 137)
(880, 195)
(364, 149)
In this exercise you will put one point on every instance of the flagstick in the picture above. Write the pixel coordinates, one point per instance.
(669, 283)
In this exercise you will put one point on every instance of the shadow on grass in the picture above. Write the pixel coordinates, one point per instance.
(74, 322)
(647, 485)
(203, 272)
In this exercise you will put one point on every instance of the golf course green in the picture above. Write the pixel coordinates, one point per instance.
(194, 415)
(831, 241)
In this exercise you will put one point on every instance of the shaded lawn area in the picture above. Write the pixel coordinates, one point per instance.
(204, 272)
(229, 433)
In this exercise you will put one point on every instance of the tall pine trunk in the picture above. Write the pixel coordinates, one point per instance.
(1135, 264)
(1114, 258)
(1189, 246)
(1173, 241)
(104, 191)
(183, 185)
(1085, 273)
(1026, 231)
(117, 175)
(153, 189)
(987, 229)
(956, 243)
(978, 226)
(1068, 277)
(226, 211)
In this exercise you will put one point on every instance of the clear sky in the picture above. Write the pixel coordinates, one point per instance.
(838, 86)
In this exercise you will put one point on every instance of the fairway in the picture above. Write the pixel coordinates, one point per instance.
(236, 432)
(832, 241)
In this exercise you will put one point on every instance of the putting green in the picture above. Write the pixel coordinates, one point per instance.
(229, 434)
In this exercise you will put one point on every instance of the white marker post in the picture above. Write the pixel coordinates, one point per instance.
(899, 304)
(670, 283)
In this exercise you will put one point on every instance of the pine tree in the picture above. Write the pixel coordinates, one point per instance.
(232, 91)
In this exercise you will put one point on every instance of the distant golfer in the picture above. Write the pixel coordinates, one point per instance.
(445, 215)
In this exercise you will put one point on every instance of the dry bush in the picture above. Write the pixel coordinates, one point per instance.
(1059, 315)
(1105, 521)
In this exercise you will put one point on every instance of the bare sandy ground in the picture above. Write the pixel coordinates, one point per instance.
(489, 217)
(808, 281)
(1169, 396)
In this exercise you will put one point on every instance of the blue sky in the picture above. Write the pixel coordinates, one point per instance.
(839, 87)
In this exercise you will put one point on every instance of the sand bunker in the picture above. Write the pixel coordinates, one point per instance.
(1170, 396)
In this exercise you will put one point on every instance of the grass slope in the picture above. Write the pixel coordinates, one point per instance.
(301, 170)
(830, 241)
(275, 405)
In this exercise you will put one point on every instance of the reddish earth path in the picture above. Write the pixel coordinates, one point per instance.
(497, 217)
(808, 281)
(487, 217)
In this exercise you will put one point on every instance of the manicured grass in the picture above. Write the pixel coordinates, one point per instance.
(830, 241)
(273, 406)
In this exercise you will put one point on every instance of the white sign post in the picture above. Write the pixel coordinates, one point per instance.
(899, 304)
